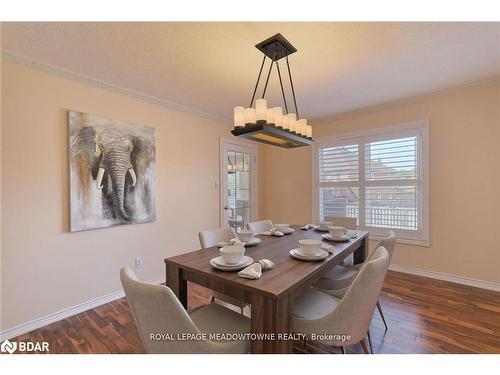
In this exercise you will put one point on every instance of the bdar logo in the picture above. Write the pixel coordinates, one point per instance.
(8, 346)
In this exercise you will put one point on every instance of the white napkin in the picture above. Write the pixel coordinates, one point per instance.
(266, 264)
(307, 227)
(273, 232)
(253, 271)
(232, 241)
(328, 248)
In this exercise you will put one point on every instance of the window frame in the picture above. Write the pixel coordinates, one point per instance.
(419, 129)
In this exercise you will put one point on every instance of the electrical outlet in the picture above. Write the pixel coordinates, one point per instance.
(138, 262)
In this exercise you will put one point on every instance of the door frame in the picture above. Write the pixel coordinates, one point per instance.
(244, 146)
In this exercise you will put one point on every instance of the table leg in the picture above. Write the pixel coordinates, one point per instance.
(177, 283)
(362, 252)
(272, 317)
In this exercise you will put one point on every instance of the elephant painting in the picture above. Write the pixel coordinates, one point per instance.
(112, 172)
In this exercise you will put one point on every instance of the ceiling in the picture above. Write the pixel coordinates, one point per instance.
(212, 67)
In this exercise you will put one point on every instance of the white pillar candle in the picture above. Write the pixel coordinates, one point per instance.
(270, 116)
(302, 126)
(278, 116)
(291, 119)
(239, 117)
(249, 116)
(261, 109)
(309, 131)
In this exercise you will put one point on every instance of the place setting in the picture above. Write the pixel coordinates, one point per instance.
(279, 230)
(232, 258)
(244, 238)
(310, 250)
(339, 234)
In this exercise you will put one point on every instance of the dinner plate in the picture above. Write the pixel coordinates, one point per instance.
(317, 227)
(255, 241)
(297, 254)
(221, 265)
(328, 237)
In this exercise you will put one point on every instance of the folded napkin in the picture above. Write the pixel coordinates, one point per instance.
(236, 241)
(231, 242)
(273, 232)
(327, 248)
(253, 272)
(266, 264)
(306, 227)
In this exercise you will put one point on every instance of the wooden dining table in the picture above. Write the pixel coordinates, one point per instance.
(272, 296)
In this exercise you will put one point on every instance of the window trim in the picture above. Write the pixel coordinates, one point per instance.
(422, 127)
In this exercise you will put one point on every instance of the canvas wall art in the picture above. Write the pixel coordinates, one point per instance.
(112, 172)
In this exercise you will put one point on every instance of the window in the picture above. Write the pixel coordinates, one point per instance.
(378, 177)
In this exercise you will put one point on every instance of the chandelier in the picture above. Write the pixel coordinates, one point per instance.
(273, 125)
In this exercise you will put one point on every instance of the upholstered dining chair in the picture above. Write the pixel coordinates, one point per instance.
(346, 222)
(337, 281)
(257, 227)
(209, 238)
(329, 317)
(157, 310)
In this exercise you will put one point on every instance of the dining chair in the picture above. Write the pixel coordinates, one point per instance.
(210, 238)
(260, 226)
(331, 319)
(336, 282)
(346, 222)
(157, 311)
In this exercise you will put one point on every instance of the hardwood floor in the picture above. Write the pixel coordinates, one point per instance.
(424, 316)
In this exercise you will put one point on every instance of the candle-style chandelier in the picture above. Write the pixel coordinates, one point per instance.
(273, 125)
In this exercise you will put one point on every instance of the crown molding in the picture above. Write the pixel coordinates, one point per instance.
(90, 81)
(491, 81)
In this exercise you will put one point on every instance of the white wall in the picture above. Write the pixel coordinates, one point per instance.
(464, 178)
(44, 267)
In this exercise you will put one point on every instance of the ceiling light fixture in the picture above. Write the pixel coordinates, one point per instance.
(274, 125)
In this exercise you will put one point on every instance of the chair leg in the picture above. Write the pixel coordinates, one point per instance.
(241, 308)
(379, 308)
(363, 345)
(212, 299)
(343, 349)
(370, 341)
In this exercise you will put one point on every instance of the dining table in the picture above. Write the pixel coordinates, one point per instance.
(271, 297)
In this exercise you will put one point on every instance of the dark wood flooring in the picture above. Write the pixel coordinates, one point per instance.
(424, 316)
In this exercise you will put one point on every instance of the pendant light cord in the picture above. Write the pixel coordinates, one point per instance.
(291, 84)
(268, 75)
(282, 90)
(257, 83)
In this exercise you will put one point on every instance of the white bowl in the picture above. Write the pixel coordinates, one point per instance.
(282, 227)
(325, 224)
(337, 232)
(310, 247)
(245, 235)
(232, 254)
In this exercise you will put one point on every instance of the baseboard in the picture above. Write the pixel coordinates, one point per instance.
(65, 313)
(447, 277)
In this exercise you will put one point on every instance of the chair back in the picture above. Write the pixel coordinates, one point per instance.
(354, 312)
(209, 238)
(260, 226)
(346, 222)
(389, 243)
(157, 310)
